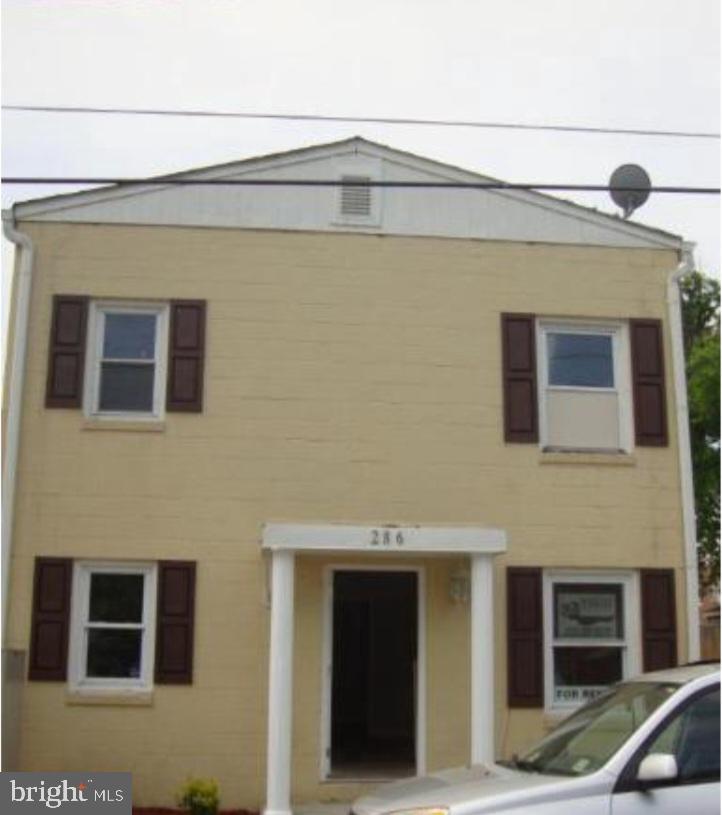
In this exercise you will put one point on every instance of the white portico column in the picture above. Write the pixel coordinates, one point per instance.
(280, 686)
(282, 539)
(482, 658)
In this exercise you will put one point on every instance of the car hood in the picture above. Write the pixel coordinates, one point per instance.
(458, 788)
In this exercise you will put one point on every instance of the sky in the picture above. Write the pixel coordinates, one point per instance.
(642, 64)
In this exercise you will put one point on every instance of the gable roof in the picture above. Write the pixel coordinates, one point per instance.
(492, 214)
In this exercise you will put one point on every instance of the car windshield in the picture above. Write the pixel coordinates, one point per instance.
(586, 740)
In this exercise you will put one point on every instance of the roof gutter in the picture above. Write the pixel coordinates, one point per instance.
(14, 396)
(689, 520)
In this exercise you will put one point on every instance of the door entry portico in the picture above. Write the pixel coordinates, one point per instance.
(283, 540)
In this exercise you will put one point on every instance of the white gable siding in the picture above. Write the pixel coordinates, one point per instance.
(491, 215)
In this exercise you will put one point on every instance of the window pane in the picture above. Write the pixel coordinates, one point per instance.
(580, 360)
(580, 674)
(583, 611)
(116, 598)
(124, 386)
(129, 336)
(694, 739)
(113, 653)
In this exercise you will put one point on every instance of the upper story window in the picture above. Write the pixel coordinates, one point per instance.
(126, 371)
(584, 395)
(583, 384)
(580, 360)
(126, 359)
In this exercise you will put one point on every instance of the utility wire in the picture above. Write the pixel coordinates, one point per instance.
(317, 182)
(227, 114)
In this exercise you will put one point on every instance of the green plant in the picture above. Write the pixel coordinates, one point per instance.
(701, 318)
(199, 796)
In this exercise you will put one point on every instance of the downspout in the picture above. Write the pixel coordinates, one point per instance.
(689, 520)
(14, 396)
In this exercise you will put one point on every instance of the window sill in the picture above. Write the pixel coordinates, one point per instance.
(612, 459)
(128, 425)
(110, 698)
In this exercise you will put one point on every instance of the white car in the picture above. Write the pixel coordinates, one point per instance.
(648, 745)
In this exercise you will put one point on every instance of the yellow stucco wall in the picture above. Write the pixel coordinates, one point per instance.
(350, 379)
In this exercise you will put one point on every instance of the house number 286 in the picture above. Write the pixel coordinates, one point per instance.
(387, 537)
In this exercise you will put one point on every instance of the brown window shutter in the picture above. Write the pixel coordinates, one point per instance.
(650, 411)
(519, 371)
(174, 639)
(186, 350)
(66, 355)
(51, 618)
(525, 668)
(659, 619)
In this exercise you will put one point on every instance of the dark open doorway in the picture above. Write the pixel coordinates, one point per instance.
(373, 698)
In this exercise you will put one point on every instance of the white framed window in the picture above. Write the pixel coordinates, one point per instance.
(127, 360)
(112, 638)
(591, 634)
(585, 386)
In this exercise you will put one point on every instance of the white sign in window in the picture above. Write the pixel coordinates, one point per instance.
(588, 612)
(587, 637)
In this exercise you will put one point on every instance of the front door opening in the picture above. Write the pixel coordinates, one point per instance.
(373, 692)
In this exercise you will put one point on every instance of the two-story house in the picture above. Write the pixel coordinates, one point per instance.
(314, 484)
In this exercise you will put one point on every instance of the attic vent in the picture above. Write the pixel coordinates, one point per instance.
(355, 196)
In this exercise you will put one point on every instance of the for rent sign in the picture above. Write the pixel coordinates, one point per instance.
(576, 695)
(86, 793)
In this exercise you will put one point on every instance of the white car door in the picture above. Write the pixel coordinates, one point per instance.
(692, 735)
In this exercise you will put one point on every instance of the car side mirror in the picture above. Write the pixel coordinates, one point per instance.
(657, 767)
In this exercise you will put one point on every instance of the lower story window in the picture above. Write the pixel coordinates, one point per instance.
(113, 634)
(588, 635)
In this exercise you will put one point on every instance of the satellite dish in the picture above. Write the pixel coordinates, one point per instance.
(629, 187)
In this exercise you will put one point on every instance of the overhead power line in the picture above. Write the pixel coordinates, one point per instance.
(328, 182)
(385, 120)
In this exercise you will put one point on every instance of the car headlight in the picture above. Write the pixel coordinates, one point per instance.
(420, 811)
